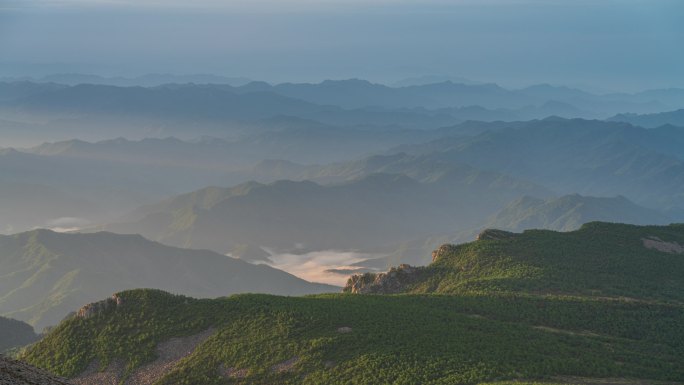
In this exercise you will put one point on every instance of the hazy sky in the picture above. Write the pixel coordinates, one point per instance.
(616, 45)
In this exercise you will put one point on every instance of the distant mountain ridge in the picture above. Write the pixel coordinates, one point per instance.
(570, 212)
(366, 209)
(341, 102)
(654, 120)
(588, 157)
(149, 80)
(14, 334)
(45, 275)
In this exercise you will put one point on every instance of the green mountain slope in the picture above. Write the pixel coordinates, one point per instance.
(641, 263)
(566, 213)
(341, 339)
(45, 275)
(537, 307)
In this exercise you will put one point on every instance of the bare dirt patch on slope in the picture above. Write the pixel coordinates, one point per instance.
(660, 245)
(169, 353)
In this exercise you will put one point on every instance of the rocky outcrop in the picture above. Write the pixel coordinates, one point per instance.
(394, 281)
(660, 245)
(443, 250)
(169, 354)
(285, 366)
(495, 235)
(95, 308)
(13, 372)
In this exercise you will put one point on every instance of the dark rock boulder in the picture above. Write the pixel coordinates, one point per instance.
(13, 372)
(95, 308)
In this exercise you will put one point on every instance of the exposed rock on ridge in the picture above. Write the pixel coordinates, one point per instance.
(95, 308)
(383, 283)
(443, 250)
(660, 245)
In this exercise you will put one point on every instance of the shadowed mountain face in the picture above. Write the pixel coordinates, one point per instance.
(14, 334)
(96, 182)
(577, 156)
(371, 213)
(45, 275)
(565, 213)
(569, 212)
(402, 212)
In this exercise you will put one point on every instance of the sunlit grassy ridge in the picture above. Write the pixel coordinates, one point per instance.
(497, 310)
(600, 259)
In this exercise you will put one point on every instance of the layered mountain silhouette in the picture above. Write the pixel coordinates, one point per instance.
(570, 212)
(576, 156)
(45, 275)
(371, 212)
(654, 120)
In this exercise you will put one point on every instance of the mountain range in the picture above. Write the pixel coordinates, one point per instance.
(576, 156)
(598, 305)
(570, 212)
(371, 212)
(46, 275)
(653, 120)
(92, 110)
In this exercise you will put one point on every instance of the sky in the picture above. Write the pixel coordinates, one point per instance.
(611, 45)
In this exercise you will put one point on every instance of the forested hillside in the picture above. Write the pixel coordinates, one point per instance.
(601, 302)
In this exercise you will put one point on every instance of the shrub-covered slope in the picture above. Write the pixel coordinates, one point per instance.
(407, 339)
(600, 260)
(509, 315)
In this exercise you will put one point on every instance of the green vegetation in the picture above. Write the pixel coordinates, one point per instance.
(538, 307)
(600, 259)
(404, 339)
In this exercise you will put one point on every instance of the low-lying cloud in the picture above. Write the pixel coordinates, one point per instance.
(65, 224)
(321, 266)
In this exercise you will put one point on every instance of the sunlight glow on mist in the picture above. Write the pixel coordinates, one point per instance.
(313, 266)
